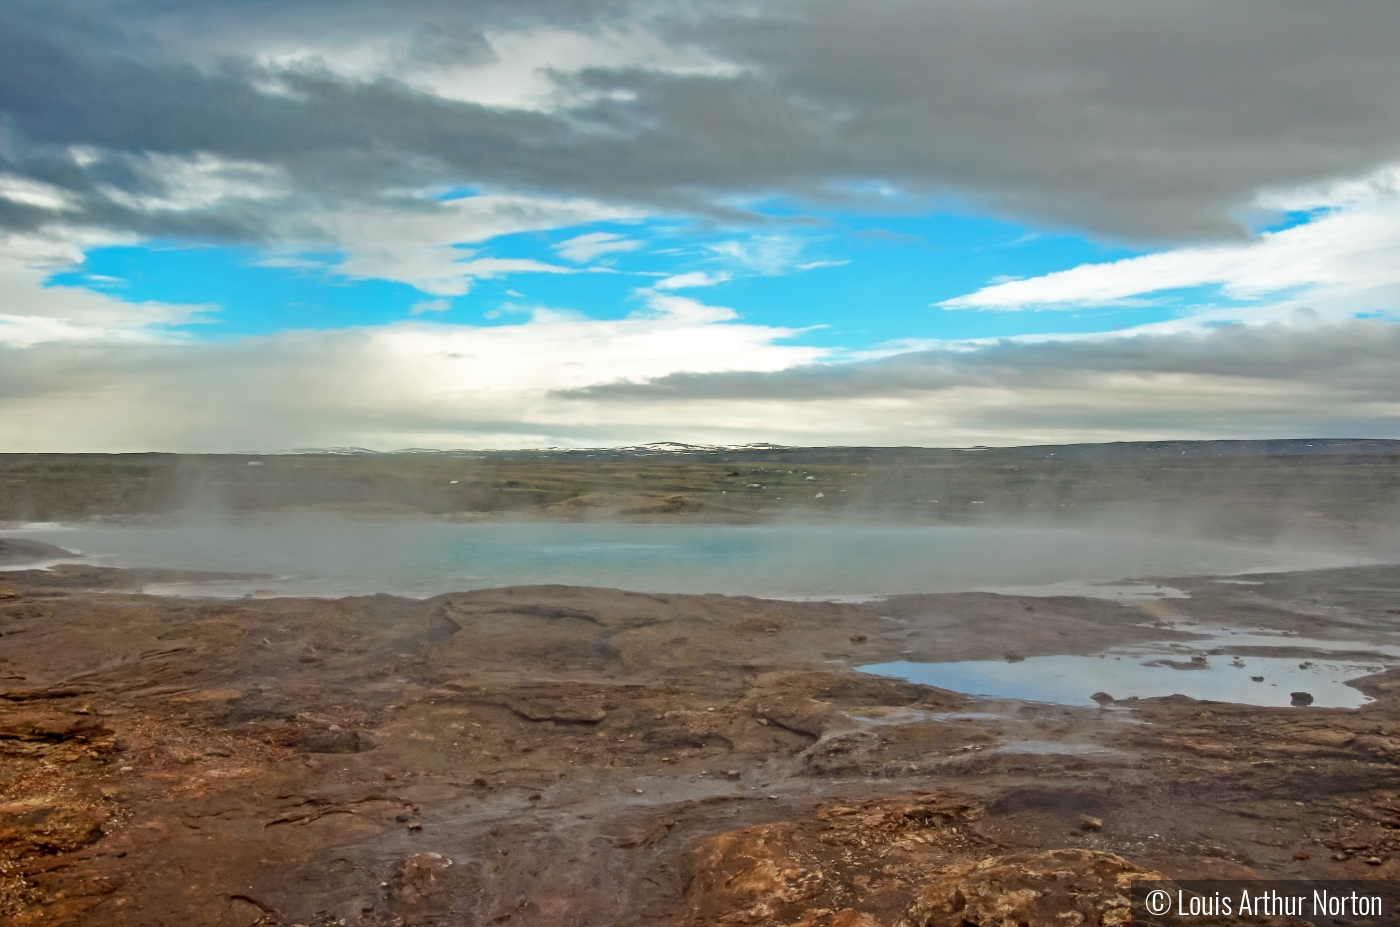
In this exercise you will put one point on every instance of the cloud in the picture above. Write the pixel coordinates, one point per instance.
(690, 372)
(33, 312)
(584, 248)
(1339, 263)
(1237, 381)
(692, 279)
(1150, 120)
(385, 386)
(419, 241)
(430, 305)
(769, 255)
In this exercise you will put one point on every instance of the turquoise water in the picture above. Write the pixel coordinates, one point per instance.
(784, 560)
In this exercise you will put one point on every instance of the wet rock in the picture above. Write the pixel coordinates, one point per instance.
(51, 727)
(847, 753)
(1300, 699)
(560, 710)
(1081, 887)
(417, 878)
(1013, 657)
(337, 742)
(849, 864)
(1103, 698)
(1090, 823)
(1200, 659)
(48, 827)
(1257, 678)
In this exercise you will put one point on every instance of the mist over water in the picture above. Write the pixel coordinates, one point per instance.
(333, 557)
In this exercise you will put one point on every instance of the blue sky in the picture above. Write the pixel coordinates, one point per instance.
(852, 280)
(241, 225)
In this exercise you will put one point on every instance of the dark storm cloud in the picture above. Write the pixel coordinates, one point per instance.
(1154, 120)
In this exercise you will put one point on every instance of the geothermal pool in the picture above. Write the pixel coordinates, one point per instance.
(776, 560)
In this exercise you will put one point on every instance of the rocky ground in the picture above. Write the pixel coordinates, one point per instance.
(575, 756)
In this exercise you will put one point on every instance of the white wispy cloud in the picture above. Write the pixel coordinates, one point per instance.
(29, 192)
(178, 184)
(692, 279)
(421, 242)
(584, 248)
(33, 312)
(1338, 263)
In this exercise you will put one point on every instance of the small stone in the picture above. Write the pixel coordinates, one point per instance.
(1301, 856)
(1257, 678)
(1013, 657)
(1341, 857)
(1103, 698)
(639, 791)
(415, 825)
(1199, 659)
(1373, 860)
(1090, 823)
(536, 797)
(389, 777)
(1300, 699)
(731, 774)
(859, 638)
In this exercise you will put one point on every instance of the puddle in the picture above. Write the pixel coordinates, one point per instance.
(917, 715)
(1228, 639)
(1051, 747)
(1071, 680)
(38, 564)
(1114, 592)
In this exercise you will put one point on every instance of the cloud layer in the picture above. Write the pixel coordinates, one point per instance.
(367, 140)
(1156, 120)
(576, 382)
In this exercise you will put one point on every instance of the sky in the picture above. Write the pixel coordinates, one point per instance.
(248, 225)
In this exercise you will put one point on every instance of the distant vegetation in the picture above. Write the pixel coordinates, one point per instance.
(1238, 486)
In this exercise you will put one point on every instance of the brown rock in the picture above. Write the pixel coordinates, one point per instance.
(417, 877)
(1058, 887)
